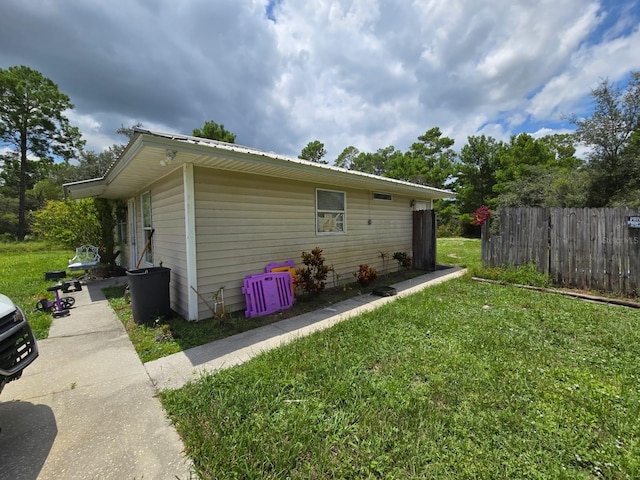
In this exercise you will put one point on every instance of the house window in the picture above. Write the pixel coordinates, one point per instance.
(330, 212)
(147, 228)
(122, 237)
(382, 196)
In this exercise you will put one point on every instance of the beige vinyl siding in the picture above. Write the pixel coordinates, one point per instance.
(167, 214)
(244, 222)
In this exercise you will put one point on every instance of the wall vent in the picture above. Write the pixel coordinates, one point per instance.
(382, 196)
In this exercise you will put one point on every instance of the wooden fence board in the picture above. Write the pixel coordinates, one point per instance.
(424, 239)
(584, 248)
(634, 261)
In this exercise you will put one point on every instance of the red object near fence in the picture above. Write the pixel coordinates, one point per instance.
(481, 215)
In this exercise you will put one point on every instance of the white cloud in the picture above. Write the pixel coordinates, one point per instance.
(368, 73)
(448, 64)
(590, 65)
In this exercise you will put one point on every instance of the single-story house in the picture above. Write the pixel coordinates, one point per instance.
(220, 212)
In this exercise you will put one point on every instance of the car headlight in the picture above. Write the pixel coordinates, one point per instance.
(20, 316)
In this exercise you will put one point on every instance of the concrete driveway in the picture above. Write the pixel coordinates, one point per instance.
(86, 408)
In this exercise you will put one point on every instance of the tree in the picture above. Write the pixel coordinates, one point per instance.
(32, 122)
(35, 191)
(375, 163)
(90, 165)
(8, 217)
(347, 157)
(520, 157)
(548, 187)
(608, 131)
(630, 196)
(429, 161)
(564, 149)
(542, 172)
(313, 152)
(476, 177)
(214, 131)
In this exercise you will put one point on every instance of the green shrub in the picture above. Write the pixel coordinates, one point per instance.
(69, 223)
(403, 259)
(365, 275)
(313, 276)
(450, 229)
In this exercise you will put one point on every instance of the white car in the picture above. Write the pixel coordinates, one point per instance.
(18, 346)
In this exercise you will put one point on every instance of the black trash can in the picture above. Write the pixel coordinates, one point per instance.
(149, 288)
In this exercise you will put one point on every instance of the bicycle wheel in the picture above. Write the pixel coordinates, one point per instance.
(43, 305)
(67, 302)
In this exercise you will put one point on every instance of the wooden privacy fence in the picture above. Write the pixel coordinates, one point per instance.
(587, 248)
(424, 239)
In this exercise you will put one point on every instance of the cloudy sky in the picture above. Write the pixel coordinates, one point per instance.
(367, 73)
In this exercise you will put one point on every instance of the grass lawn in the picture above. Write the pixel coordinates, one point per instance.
(173, 335)
(462, 380)
(463, 252)
(23, 266)
(22, 279)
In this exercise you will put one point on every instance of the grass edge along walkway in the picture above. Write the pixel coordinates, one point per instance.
(173, 371)
(462, 380)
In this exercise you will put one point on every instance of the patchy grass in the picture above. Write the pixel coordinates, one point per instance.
(463, 380)
(172, 335)
(466, 252)
(520, 275)
(23, 266)
(462, 252)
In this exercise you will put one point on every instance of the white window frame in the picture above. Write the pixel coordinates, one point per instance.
(325, 218)
(133, 234)
(147, 225)
(122, 232)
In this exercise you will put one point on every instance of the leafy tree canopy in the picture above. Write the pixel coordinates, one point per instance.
(347, 157)
(32, 123)
(476, 175)
(609, 131)
(429, 161)
(70, 223)
(375, 163)
(214, 131)
(313, 152)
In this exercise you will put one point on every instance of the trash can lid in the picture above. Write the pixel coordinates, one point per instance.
(148, 270)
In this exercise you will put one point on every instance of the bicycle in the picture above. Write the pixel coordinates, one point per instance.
(60, 306)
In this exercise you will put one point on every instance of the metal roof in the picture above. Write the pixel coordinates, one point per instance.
(144, 161)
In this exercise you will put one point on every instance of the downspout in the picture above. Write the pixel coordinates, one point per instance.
(190, 241)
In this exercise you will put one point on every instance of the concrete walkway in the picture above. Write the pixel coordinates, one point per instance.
(177, 369)
(86, 408)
